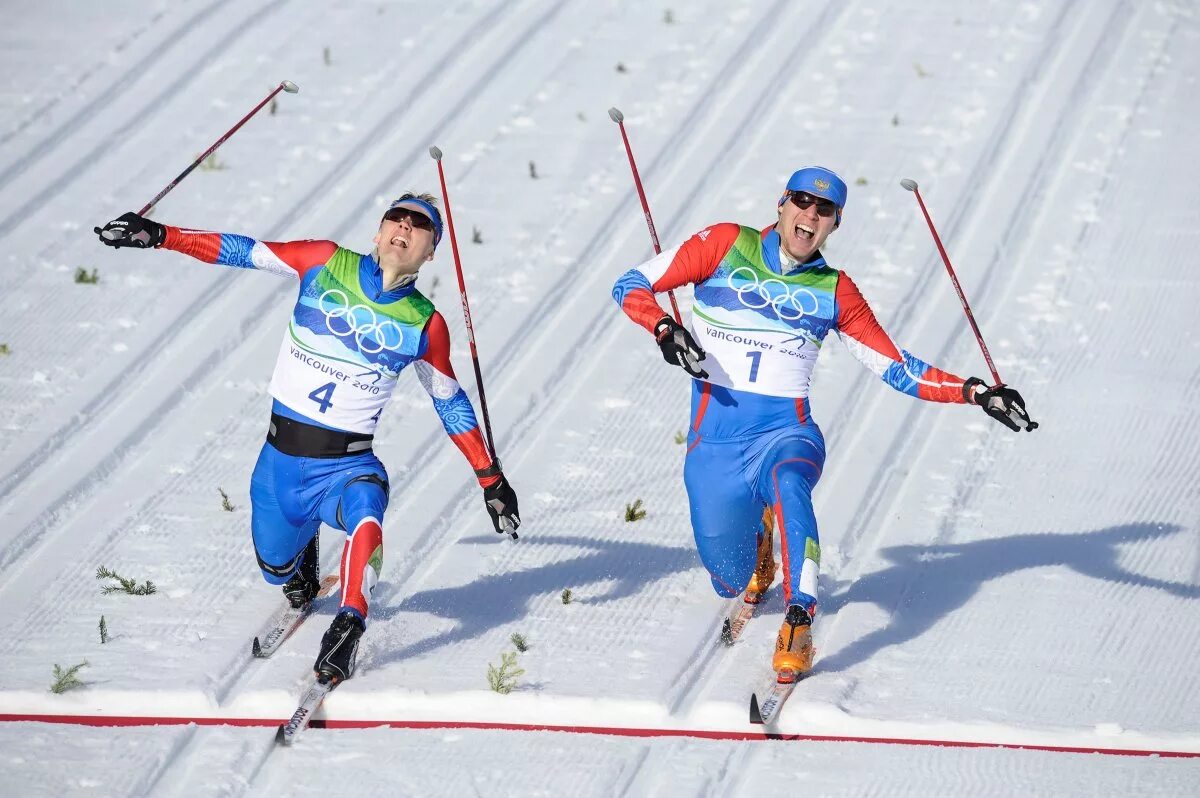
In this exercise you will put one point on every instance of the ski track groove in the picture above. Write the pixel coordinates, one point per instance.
(118, 84)
(130, 36)
(92, 156)
(911, 446)
(123, 382)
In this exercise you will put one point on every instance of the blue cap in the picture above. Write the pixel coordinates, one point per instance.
(425, 209)
(820, 182)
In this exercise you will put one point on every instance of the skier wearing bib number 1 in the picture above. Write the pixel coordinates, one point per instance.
(358, 322)
(764, 302)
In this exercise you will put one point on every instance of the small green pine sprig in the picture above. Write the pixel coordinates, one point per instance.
(67, 679)
(124, 585)
(503, 680)
(634, 512)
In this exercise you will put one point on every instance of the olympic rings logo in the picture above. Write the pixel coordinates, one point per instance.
(343, 320)
(789, 304)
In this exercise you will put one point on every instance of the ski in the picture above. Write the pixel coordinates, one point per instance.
(739, 615)
(310, 702)
(286, 621)
(774, 695)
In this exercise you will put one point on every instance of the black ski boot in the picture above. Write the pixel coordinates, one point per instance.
(304, 584)
(339, 648)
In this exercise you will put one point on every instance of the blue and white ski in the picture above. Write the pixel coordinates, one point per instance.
(310, 702)
(287, 620)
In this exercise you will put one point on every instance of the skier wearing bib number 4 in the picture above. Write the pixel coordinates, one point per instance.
(358, 322)
(764, 302)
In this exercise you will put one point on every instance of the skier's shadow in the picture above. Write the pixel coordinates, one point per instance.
(927, 583)
(497, 599)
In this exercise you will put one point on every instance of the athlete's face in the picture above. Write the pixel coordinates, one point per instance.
(404, 241)
(804, 223)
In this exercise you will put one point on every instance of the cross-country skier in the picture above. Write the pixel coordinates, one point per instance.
(764, 302)
(358, 322)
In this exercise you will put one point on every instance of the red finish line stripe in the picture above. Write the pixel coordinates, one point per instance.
(616, 731)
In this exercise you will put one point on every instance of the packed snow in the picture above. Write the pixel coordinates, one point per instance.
(978, 586)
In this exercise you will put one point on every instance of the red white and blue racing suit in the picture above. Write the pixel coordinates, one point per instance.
(346, 343)
(752, 440)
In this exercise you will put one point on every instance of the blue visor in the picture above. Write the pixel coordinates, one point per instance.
(425, 209)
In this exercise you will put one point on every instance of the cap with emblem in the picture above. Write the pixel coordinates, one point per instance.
(820, 182)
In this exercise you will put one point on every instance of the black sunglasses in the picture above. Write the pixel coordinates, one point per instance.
(803, 200)
(416, 219)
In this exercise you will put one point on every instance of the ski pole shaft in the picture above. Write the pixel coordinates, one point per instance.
(436, 154)
(287, 85)
(911, 185)
(618, 117)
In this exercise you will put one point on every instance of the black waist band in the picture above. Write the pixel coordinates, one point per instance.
(298, 439)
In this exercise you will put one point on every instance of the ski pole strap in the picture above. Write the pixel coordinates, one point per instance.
(297, 439)
(494, 470)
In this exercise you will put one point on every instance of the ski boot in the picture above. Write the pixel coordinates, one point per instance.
(305, 583)
(760, 583)
(764, 571)
(793, 647)
(339, 648)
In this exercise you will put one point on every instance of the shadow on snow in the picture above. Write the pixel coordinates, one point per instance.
(924, 584)
(497, 599)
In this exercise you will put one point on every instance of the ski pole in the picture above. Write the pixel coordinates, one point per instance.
(911, 185)
(615, 115)
(436, 154)
(287, 85)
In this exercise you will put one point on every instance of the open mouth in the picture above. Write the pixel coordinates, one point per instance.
(805, 232)
(397, 241)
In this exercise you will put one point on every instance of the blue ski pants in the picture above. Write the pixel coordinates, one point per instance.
(291, 496)
(729, 482)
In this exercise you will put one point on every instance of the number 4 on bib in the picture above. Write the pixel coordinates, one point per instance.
(323, 396)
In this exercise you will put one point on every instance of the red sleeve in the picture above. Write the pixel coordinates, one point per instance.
(867, 341)
(302, 255)
(694, 261)
(231, 249)
(855, 318)
(458, 417)
(698, 257)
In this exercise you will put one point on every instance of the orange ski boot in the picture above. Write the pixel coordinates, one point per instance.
(760, 583)
(764, 571)
(793, 647)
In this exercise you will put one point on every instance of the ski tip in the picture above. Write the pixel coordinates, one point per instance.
(727, 633)
(755, 715)
(256, 649)
(281, 737)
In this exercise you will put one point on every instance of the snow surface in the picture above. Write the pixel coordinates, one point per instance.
(977, 585)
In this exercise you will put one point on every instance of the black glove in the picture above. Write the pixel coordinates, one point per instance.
(1001, 403)
(678, 347)
(501, 502)
(131, 230)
